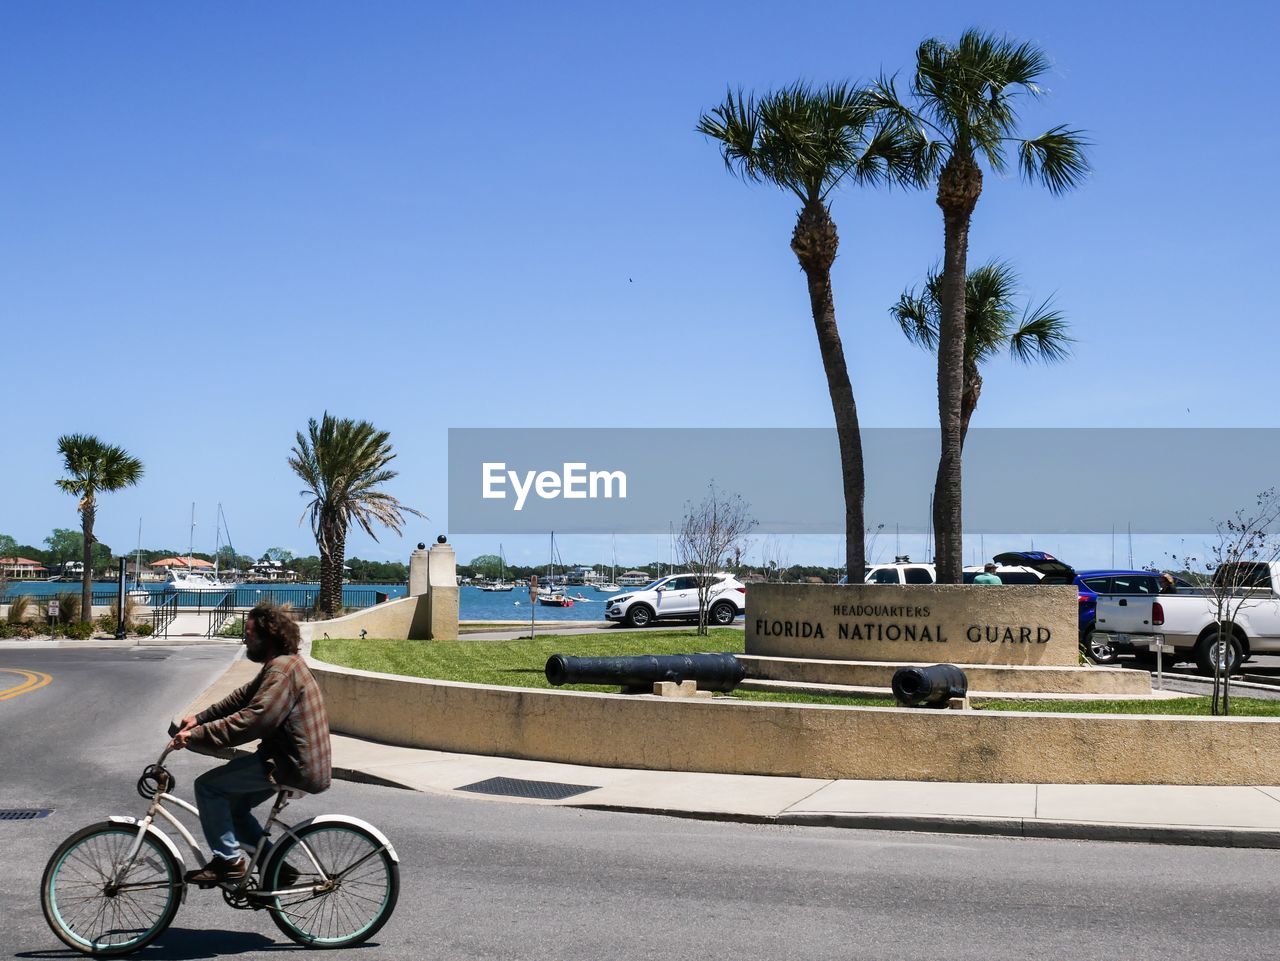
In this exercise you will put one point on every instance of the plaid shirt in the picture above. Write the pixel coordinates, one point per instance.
(284, 708)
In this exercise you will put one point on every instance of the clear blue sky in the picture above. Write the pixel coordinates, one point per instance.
(236, 216)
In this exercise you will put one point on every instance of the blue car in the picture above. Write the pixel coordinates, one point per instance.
(1093, 583)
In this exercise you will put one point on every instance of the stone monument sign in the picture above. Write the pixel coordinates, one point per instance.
(960, 624)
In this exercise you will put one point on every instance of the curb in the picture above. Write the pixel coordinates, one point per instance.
(1257, 838)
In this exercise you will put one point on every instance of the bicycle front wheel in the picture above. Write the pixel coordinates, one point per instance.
(93, 908)
(347, 901)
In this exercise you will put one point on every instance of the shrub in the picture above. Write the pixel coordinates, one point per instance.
(144, 630)
(233, 628)
(20, 608)
(78, 631)
(68, 607)
(6, 630)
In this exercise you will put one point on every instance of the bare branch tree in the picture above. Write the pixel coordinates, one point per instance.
(1238, 566)
(710, 538)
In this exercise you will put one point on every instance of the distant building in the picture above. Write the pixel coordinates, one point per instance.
(582, 575)
(634, 578)
(269, 570)
(22, 568)
(181, 563)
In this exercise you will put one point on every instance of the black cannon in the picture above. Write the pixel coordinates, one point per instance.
(929, 686)
(712, 672)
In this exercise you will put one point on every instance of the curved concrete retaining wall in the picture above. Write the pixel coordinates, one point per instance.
(737, 737)
(988, 678)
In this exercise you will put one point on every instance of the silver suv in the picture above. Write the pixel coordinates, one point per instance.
(676, 597)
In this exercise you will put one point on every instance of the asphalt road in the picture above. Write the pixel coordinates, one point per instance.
(485, 879)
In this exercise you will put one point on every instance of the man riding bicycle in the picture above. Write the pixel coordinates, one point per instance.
(282, 708)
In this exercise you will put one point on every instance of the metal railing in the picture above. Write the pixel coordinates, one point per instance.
(162, 616)
(238, 599)
(221, 614)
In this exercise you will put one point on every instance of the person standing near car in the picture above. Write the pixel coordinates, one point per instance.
(988, 575)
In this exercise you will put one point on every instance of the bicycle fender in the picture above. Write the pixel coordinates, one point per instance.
(163, 839)
(356, 822)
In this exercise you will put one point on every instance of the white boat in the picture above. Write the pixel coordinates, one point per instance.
(195, 581)
(611, 586)
(189, 579)
(500, 586)
(140, 596)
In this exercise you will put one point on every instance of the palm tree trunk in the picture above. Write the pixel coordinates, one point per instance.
(958, 190)
(814, 242)
(331, 560)
(86, 577)
(969, 399)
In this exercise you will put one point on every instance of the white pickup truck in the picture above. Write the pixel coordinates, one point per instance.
(1188, 619)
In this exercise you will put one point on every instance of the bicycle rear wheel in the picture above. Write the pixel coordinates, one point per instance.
(91, 915)
(363, 885)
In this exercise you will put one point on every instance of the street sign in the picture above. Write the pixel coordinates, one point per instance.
(533, 588)
(53, 608)
(1157, 646)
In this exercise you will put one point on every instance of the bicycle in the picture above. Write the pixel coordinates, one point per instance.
(113, 887)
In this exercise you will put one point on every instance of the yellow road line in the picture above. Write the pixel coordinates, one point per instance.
(33, 680)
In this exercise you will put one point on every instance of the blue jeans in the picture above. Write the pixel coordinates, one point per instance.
(225, 796)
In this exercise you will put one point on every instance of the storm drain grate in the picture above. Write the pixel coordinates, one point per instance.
(515, 787)
(24, 814)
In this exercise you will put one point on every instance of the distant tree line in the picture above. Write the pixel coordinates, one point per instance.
(64, 546)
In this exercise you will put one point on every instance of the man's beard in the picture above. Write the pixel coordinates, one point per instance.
(257, 651)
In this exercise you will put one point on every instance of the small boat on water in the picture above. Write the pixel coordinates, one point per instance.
(611, 585)
(188, 578)
(549, 596)
(195, 581)
(500, 586)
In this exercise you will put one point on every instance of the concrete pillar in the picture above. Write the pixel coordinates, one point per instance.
(418, 582)
(442, 578)
(433, 578)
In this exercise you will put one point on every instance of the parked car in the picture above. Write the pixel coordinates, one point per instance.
(1188, 618)
(1123, 583)
(675, 597)
(1013, 567)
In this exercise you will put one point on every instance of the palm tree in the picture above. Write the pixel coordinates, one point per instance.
(343, 462)
(95, 468)
(808, 142)
(992, 324)
(966, 96)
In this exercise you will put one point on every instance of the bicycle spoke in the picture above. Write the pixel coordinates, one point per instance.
(79, 906)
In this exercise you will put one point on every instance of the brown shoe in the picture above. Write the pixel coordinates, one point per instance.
(219, 870)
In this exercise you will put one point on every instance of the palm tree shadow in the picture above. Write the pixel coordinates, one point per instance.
(189, 944)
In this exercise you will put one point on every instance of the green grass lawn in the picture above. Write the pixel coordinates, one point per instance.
(521, 663)
(514, 663)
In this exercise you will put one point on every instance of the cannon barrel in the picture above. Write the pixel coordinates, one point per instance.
(929, 686)
(712, 672)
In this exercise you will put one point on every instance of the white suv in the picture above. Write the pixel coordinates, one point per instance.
(676, 596)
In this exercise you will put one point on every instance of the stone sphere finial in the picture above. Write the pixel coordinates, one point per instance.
(421, 546)
(440, 539)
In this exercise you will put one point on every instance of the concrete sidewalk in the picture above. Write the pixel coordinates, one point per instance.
(1215, 816)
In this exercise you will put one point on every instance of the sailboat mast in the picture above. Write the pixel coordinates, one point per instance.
(137, 559)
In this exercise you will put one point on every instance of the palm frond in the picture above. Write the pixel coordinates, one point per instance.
(1042, 335)
(342, 464)
(95, 467)
(1056, 159)
(808, 140)
(735, 124)
(917, 315)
